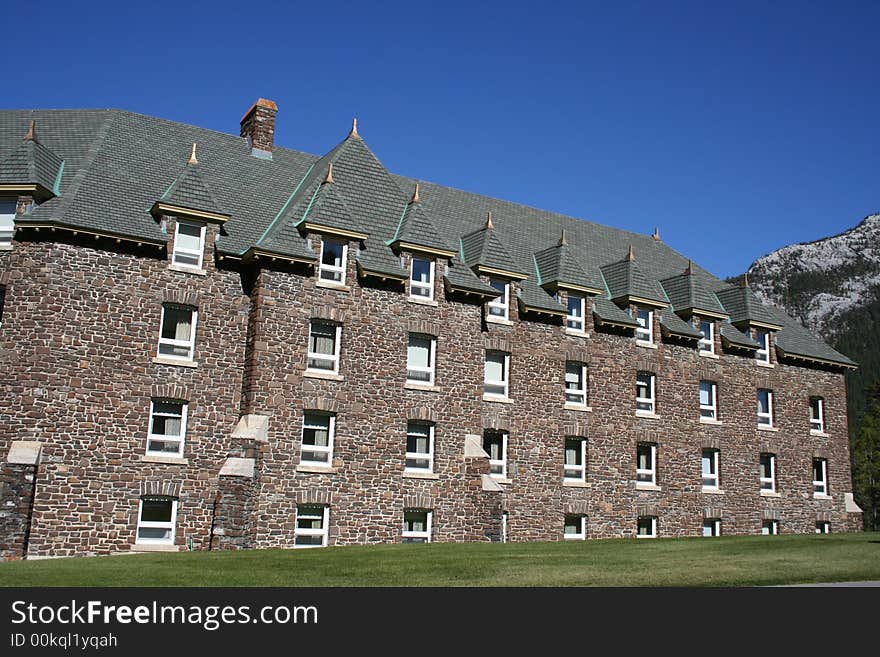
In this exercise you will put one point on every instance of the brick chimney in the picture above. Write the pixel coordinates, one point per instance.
(258, 125)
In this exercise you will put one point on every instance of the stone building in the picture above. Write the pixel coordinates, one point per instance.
(210, 342)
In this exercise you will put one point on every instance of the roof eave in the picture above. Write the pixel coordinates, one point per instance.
(33, 189)
(573, 287)
(540, 310)
(190, 213)
(629, 298)
(376, 273)
(814, 359)
(333, 230)
(411, 246)
(253, 254)
(506, 273)
(702, 312)
(76, 230)
(452, 287)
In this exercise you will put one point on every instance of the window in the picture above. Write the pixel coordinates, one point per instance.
(495, 445)
(498, 307)
(708, 400)
(7, 221)
(709, 466)
(823, 527)
(167, 428)
(576, 312)
(311, 526)
(770, 527)
(420, 359)
(575, 467)
(333, 258)
(575, 383)
(419, 447)
(324, 339)
(646, 464)
(178, 337)
(768, 473)
(817, 415)
(712, 527)
(156, 519)
(504, 518)
(417, 526)
(762, 355)
(765, 407)
(317, 439)
(645, 329)
(421, 279)
(575, 528)
(645, 393)
(646, 527)
(707, 342)
(496, 373)
(820, 478)
(189, 244)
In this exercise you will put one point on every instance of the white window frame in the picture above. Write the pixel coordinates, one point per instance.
(333, 359)
(823, 527)
(709, 412)
(817, 424)
(581, 392)
(769, 527)
(771, 480)
(503, 383)
(432, 360)
(820, 486)
(427, 286)
(714, 478)
(653, 521)
(644, 331)
(504, 518)
(323, 532)
(707, 342)
(498, 463)
(411, 534)
(646, 476)
(420, 456)
(762, 354)
(180, 440)
(765, 419)
(574, 472)
(317, 449)
(199, 253)
(154, 524)
(333, 270)
(581, 534)
(189, 344)
(714, 527)
(574, 323)
(7, 222)
(650, 401)
(500, 305)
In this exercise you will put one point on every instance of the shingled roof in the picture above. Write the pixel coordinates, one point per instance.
(32, 163)
(189, 193)
(416, 230)
(688, 295)
(563, 266)
(116, 164)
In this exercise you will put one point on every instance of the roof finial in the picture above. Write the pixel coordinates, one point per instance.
(632, 254)
(656, 234)
(31, 134)
(328, 179)
(354, 128)
(415, 197)
(746, 279)
(192, 155)
(690, 268)
(489, 223)
(563, 240)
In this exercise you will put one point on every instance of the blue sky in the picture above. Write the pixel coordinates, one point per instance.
(735, 127)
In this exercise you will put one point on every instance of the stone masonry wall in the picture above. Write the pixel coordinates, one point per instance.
(16, 496)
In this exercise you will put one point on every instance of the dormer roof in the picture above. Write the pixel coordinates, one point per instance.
(745, 309)
(31, 168)
(483, 251)
(560, 266)
(627, 283)
(689, 295)
(416, 231)
(189, 195)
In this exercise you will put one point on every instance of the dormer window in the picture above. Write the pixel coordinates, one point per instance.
(333, 259)
(421, 279)
(189, 244)
(498, 307)
(7, 221)
(575, 319)
(707, 342)
(762, 355)
(645, 330)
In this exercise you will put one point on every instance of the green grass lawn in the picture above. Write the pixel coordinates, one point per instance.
(724, 561)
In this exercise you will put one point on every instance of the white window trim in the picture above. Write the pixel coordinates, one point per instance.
(503, 460)
(707, 342)
(189, 344)
(762, 354)
(821, 483)
(504, 519)
(653, 533)
(716, 460)
(772, 478)
(505, 382)
(823, 527)
(337, 269)
(582, 392)
(413, 283)
(772, 527)
(168, 439)
(500, 303)
(644, 331)
(428, 522)
(334, 358)
(582, 320)
(769, 414)
(152, 524)
(8, 231)
(652, 378)
(817, 426)
(328, 450)
(323, 532)
(200, 252)
(652, 471)
(432, 358)
(716, 527)
(712, 407)
(582, 525)
(426, 456)
(581, 469)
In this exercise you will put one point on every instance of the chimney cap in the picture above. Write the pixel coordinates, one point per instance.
(261, 102)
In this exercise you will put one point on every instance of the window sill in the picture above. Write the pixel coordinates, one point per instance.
(183, 269)
(146, 547)
(424, 387)
(158, 360)
(646, 345)
(819, 434)
(498, 400)
(643, 486)
(500, 479)
(763, 364)
(820, 496)
(5, 247)
(420, 475)
(769, 493)
(330, 285)
(647, 415)
(715, 423)
(497, 320)
(170, 460)
(578, 407)
(710, 354)
(576, 333)
(419, 301)
(575, 484)
(762, 427)
(712, 491)
(327, 376)
(315, 469)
